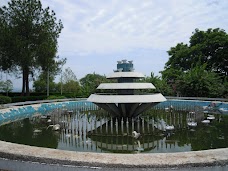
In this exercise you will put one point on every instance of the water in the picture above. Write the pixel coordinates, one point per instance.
(95, 131)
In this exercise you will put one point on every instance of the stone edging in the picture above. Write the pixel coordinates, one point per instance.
(216, 157)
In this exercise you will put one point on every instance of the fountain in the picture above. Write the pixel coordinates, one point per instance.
(87, 129)
(126, 102)
(83, 135)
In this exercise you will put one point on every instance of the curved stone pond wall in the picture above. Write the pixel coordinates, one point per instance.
(52, 156)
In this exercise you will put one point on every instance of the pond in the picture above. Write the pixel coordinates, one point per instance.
(160, 131)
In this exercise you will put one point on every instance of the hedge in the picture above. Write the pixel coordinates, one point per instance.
(5, 99)
(27, 98)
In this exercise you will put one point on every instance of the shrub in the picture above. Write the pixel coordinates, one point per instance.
(52, 97)
(5, 99)
(27, 98)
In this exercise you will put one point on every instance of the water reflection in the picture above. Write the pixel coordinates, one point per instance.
(94, 131)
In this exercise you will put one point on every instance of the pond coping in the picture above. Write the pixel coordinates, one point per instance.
(215, 157)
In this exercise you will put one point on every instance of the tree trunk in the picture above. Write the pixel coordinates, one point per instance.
(48, 82)
(27, 81)
(23, 83)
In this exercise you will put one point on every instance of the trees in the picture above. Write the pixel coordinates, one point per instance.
(90, 82)
(70, 83)
(179, 57)
(72, 87)
(28, 39)
(6, 86)
(160, 85)
(210, 47)
(40, 84)
(199, 82)
(206, 54)
(68, 75)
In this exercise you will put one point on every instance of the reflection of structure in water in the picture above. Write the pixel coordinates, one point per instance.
(116, 135)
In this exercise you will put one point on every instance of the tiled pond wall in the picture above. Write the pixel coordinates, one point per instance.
(19, 112)
(14, 113)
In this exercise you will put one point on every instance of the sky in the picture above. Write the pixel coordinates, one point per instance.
(98, 33)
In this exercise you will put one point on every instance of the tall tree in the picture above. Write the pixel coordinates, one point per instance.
(206, 48)
(68, 75)
(210, 47)
(28, 39)
(179, 57)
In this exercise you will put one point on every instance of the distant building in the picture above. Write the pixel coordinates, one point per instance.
(125, 101)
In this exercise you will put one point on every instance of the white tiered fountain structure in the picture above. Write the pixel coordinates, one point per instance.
(127, 101)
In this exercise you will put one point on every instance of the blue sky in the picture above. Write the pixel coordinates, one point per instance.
(97, 33)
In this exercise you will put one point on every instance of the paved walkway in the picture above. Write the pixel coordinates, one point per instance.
(13, 165)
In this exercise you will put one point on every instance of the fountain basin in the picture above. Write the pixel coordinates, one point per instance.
(203, 158)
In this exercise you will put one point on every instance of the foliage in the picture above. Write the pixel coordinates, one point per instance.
(213, 47)
(225, 84)
(199, 82)
(5, 99)
(6, 86)
(171, 74)
(27, 98)
(70, 83)
(210, 47)
(90, 82)
(207, 50)
(68, 75)
(160, 85)
(71, 87)
(28, 40)
(179, 57)
(52, 97)
(40, 84)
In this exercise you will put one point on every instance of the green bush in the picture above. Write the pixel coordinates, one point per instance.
(27, 98)
(5, 99)
(43, 94)
(52, 97)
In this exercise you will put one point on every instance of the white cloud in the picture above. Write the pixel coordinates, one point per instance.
(116, 27)
(110, 26)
